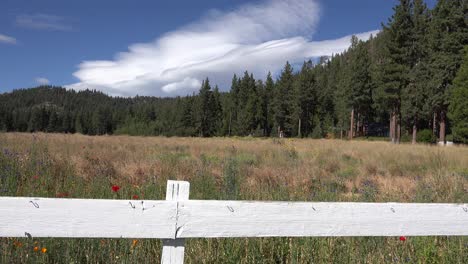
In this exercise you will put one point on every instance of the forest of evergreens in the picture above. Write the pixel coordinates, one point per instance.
(409, 82)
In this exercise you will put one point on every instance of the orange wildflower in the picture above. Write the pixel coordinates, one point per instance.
(44, 250)
(17, 244)
(36, 249)
(134, 242)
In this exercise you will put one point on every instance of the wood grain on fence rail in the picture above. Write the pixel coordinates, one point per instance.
(300, 219)
(46, 217)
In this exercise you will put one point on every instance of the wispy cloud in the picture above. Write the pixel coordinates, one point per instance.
(258, 38)
(42, 81)
(43, 22)
(7, 39)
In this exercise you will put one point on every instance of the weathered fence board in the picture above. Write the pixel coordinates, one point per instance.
(173, 249)
(275, 219)
(43, 217)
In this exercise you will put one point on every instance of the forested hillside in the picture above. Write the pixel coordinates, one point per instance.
(406, 82)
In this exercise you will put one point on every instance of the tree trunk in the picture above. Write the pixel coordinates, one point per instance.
(341, 133)
(434, 124)
(364, 131)
(442, 127)
(299, 129)
(415, 131)
(351, 132)
(398, 127)
(392, 129)
(395, 127)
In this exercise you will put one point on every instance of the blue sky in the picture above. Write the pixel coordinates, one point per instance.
(166, 48)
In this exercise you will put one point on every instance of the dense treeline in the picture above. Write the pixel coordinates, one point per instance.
(406, 79)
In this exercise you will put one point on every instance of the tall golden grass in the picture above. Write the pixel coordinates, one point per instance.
(297, 165)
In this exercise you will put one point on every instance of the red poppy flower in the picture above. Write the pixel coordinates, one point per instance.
(115, 188)
(135, 197)
(35, 177)
(402, 238)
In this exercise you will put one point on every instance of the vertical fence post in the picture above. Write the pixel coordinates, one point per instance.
(173, 249)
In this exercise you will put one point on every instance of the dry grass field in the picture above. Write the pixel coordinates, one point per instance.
(77, 166)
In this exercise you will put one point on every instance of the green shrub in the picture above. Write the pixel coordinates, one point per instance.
(449, 137)
(460, 135)
(426, 136)
(317, 132)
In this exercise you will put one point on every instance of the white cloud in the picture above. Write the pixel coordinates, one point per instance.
(258, 38)
(7, 39)
(42, 80)
(42, 22)
(187, 83)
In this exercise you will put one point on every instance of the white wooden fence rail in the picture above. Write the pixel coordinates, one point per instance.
(178, 218)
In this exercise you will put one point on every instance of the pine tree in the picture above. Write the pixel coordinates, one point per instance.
(307, 99)
(216, 111)
(205, 127)
(99, 121)
(360, 85)
(415, 94)
(458, 109)
(67, 122)
(36, 120)
(54, 122)
(252, 106)
(230, 108)
(341, 92)
(268, 104)
(78, 124)
(229, 111)
(448, 35)
(396, 65)
(188, 117)
(325, 105)
(247, 105)
(262, 109)
(284, 101)
(381, 111)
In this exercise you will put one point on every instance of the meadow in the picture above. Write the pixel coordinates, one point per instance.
(77, 166)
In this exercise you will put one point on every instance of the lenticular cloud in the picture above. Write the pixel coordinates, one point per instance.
(258, 38)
